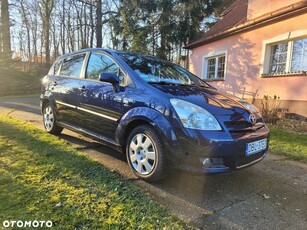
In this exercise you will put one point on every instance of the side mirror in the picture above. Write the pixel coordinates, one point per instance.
(110, 78)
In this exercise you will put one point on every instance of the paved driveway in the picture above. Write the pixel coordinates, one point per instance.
(269, 195)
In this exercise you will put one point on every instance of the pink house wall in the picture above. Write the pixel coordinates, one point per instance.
(243, 63)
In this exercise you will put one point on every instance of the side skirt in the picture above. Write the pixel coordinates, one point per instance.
(104, 140)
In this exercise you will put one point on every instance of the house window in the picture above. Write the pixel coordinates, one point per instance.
(211, 68)
(278, 58)
(299, 55)
(287, 58)
(215, 67)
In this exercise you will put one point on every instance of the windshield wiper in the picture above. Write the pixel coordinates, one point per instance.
(207, 86)
(178, 84)
(163, 83)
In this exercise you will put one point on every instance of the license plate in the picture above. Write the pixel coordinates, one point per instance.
(255, 147)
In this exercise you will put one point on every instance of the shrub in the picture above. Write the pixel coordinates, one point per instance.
(270, 108)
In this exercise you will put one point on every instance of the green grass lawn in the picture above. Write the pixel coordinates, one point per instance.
(290, 144)
(16, 82)
(43, 178)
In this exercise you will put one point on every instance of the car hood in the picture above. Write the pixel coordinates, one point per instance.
(221, 102)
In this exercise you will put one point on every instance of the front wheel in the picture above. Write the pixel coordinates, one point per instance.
(49, 120)
(145, 153)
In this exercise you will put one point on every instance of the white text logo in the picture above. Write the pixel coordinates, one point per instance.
(27, 224)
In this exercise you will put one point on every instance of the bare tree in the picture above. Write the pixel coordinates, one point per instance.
(63, 26)
(34, 7)
(92, 25)
(98, 23)
(24, 13)
(1, 42)
(46, 10)
(5, 31)
(44, 29)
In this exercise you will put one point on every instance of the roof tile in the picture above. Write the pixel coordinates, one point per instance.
(234, 15)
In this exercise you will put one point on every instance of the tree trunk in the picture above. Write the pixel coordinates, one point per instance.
(47, 41)
(5, 30)
(162, 50)
(26, 22)
(164, 28)
(85, 22)
(98, 23)
(63, 28)
(1, 43)
(92, 25)
(35, 38)
(153, 41)
(47, 9)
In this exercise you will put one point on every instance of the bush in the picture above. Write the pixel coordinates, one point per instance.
(270, 108)
(292, 125)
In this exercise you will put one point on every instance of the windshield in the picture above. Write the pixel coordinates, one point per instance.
(154, 70)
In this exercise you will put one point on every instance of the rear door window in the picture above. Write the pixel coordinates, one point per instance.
(72, 66)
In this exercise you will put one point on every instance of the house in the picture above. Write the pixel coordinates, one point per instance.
(257, 48)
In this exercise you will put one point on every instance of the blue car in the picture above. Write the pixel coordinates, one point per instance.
(159, 114)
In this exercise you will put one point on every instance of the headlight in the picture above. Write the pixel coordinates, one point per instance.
(194, 117)
(249, 107)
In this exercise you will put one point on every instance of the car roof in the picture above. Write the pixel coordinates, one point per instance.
(84, 50)
(120, 52)
(110, 51)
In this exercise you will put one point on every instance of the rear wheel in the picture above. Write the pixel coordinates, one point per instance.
(145, 153)
(49, 120)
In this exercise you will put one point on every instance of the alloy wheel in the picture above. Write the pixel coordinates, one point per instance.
(142, 154)
(48, 118)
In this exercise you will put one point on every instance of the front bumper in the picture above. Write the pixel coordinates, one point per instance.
(225, 150)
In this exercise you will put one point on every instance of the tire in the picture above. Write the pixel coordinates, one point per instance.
(49, 120)
(145, 153)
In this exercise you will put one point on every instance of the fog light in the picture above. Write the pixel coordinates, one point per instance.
(207, 162)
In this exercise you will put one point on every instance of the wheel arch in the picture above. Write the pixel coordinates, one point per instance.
(130, 126)
(50, 121)
(147, 116)
(45, 98)
(44, 102)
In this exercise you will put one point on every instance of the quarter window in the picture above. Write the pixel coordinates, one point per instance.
(55, 68)
(72, 66)
(215, 67)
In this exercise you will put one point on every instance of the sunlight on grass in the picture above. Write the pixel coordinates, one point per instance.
(290, 144)
(43, 178)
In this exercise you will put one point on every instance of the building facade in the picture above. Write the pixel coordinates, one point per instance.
(258, 48)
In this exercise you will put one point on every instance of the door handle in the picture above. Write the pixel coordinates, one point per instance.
(82, 88)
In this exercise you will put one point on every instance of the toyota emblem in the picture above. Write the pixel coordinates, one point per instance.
(252, 119)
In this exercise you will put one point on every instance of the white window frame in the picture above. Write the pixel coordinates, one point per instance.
(267, 45)
(205, 68)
